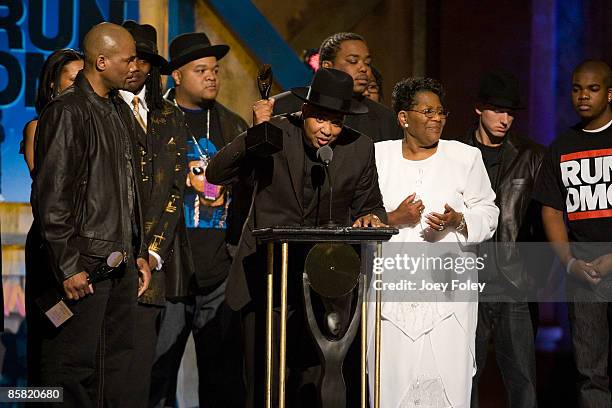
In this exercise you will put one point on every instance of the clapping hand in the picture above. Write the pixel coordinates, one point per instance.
(439, 222)
(408, 212)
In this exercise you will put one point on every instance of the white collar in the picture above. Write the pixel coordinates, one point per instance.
(127, 96)
(604, 127)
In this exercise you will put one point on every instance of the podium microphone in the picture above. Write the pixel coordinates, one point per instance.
(325, 154)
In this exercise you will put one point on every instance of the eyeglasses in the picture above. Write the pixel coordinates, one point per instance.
(196, 170)
(430, 113)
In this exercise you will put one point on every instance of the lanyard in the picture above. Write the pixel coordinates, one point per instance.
(204, 154)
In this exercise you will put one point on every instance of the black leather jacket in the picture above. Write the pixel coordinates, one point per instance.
(519, 216)
(80, 184)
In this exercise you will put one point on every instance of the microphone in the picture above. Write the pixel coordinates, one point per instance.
(325, 154)
(51, 302)
(108, 269)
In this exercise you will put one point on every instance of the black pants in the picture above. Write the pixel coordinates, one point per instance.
(146, 329)
(590, 325)
(89, 355)
(510, 325)
(216, 334)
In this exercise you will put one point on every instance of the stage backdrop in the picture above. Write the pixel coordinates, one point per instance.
(29, 31)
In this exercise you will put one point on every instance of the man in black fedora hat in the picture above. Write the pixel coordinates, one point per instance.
(512, 162)
(290, 188)
(160, 146)
(211, 225)
(349, 52)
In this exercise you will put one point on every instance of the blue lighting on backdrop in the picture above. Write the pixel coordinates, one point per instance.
(29, 31)
(256, 32)
(571, 38)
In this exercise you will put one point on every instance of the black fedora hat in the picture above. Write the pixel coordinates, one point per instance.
(191, 46)
(145, 36)
(331, 89)
(500, 89)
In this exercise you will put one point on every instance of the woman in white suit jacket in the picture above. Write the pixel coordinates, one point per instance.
(440, 193)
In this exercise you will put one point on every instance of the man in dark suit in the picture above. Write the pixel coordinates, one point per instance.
(349, 52)
(161, 147)
(290, 187)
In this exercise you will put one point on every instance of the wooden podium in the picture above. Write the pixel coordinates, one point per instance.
(348, 235)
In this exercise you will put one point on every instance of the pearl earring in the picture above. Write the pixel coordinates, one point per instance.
(405, 125)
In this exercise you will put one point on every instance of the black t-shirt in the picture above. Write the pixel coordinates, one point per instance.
(576, 178)
(491, 156)
(206, 211)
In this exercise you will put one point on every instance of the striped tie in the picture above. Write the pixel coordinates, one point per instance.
(135, 102)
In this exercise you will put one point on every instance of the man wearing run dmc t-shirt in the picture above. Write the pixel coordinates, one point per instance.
(575, 189)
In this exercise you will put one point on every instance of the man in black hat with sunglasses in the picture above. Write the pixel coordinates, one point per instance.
(211, 225)
(290, 188)
(504, 315)
(160, 144)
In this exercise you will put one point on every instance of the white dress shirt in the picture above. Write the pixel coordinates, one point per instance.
(128, 97)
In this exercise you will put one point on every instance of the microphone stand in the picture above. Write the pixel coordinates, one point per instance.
(325, 154)
(330, 222)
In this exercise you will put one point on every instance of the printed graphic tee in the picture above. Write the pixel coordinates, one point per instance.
(205, 204)
(576, 178)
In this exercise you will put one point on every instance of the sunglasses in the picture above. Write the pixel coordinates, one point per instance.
(197, 170)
